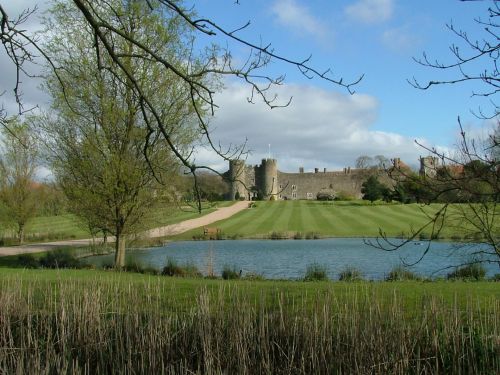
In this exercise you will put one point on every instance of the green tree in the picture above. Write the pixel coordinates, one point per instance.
(108, 43)
(112, 165)
(18, 165)
(372, 189)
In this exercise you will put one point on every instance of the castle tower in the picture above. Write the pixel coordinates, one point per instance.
(237, 179)
(428, 166)
(268, 183)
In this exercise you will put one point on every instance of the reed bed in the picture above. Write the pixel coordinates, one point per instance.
(96, 327)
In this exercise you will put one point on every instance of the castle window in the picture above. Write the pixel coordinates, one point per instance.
(294, 195)
(309, 195)
(294, 187)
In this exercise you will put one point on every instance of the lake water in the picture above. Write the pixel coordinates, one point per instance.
(288, 259)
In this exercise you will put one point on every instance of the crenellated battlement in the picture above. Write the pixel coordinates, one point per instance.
(266, 182)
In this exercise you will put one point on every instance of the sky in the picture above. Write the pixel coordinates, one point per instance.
(325, 126)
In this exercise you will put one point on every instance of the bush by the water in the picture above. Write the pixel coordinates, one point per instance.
(133, 265)
(400, 273)
(230, 273)
(315, 272)
(60, 258)
(253, 276)
(350, 274)
(312, 236)
(27, 261)
(277, 235)
(174, 269)
(473, 271)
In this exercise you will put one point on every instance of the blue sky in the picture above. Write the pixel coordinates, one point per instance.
(325, 126)
(377, 38)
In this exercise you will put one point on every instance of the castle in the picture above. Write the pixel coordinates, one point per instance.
(266, 182)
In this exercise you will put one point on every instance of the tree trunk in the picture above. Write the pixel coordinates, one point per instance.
(20, 234)
(120, 251)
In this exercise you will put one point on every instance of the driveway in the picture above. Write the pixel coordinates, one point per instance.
(169, 230)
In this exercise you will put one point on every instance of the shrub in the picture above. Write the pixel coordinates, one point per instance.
(325, 196)
(350, 274)
(277, 236)
(495, 277)
(312, 236)
(27, 261)
(315, 272)
(298, 236)
(60, 258)
(344, 196)
(253, 276)
(133, 265)
(190, 270)
(423, 236)
(400, 273)
(473, 271)
(173, 269)
(229, 273)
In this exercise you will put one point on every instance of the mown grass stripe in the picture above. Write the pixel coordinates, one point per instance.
(295, 222)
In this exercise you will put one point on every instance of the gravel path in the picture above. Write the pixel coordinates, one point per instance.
(169, 230)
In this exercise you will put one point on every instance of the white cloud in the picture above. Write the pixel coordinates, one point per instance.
(371, 11)
(400, 39)
(319, 129)
(297, 17)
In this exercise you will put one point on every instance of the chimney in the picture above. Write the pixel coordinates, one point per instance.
(316, 170)
(301, 169)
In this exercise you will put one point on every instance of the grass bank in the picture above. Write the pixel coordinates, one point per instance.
(303, 219)
(68, 321)
(69, 226)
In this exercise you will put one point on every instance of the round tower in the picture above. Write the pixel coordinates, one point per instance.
(237, 179)
(428, 166)
(269, 188)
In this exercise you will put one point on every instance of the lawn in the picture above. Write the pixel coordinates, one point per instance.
(68, 226)
(327, 219)
(66, 321)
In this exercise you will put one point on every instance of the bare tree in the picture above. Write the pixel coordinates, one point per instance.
(464, 62)
(467, 183)
(363, 162)
(468, 186)
(217, 61)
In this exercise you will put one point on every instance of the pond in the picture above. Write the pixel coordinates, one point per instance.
(288, 259)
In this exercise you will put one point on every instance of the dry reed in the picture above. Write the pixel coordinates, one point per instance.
(70, 327)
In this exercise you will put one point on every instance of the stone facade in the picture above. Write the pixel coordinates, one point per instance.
(266, 182)
(429, 166)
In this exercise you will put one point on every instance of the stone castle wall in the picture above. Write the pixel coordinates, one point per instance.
(267, 182)
(308, 185)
